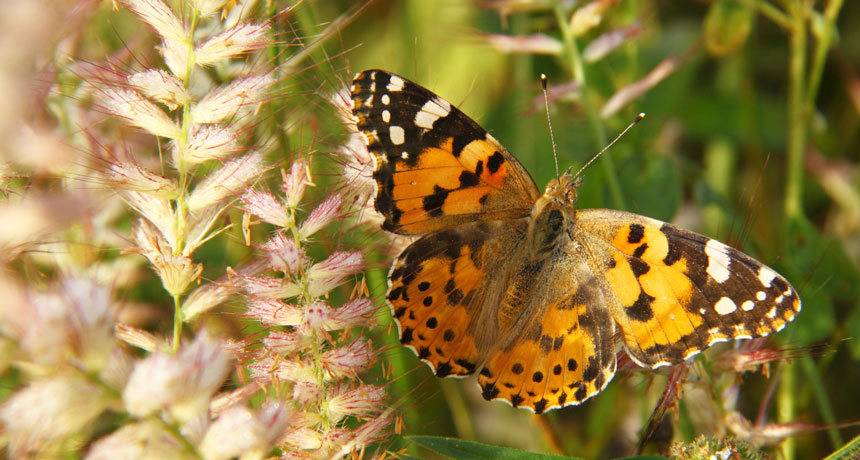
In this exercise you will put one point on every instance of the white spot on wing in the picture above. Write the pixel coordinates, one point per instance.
(398, 136)
(386, 116)
(718, 261)
(405, 156)
(766, 276)
(725, 305)
(748, 305)
(760, 295)
(432, 110)
(395, 84)
(386, 99)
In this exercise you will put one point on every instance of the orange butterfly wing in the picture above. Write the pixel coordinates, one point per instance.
(434, 166)
(679, 292)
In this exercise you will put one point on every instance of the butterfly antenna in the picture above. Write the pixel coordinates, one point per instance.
(548, 121)
(633, 123)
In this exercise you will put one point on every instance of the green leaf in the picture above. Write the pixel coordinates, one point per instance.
(652, 186)
(847, 452)
(469, 450)
(727, 26)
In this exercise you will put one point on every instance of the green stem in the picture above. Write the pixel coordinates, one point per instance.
(786, 394)
(813, 377)
(822, 47)
(177, 322)
(179, 210)
(579, 76)
(798, 113)
(773, 13)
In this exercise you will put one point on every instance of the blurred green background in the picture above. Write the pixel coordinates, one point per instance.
(750, 137)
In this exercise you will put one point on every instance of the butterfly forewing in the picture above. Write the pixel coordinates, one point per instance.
(679, 292)
(415, 135)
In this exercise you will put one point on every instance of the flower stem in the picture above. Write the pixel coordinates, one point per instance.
(598, 131)
(797, 110)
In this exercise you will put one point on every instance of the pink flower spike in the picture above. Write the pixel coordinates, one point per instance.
(207, 7)
(610, 41)
(286, 343)
(637, 89)
(272, 312)
(176, 57)
(306, 392)
(270, 288)
(329, 210)
(240, 432)
(358, 401)
(209, 142)
(227, 181)
(160, 17)
(532, 44)
(161, 86)
(333, 271)
(226, 102)
(49, 411)
(140, 112)
(370, 431)
(283, 254)
(295, 182)
(231, 43)
(348, 361)
(317, 315)
(356, 312)
(128, 175)
(145, 440)
(265, 206)
(182, 384)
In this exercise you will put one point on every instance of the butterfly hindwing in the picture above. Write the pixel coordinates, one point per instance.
(566, 352)
(443, 288)
(679, 292)
(434, 166)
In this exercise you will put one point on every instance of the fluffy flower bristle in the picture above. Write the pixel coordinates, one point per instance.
(161, 86)
(265, 206)
(139, 111)
(231, 43)
(160, 17)
(210, 142)
(226, 102)
(182, 383)
(229, 180)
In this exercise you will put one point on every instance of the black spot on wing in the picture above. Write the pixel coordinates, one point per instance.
(489, 391)
(637, 232)
(641, 308)
(432, 204)
(495, 162)
(540, 406)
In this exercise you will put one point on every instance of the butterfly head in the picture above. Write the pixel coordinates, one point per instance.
(563, 190)
(552, 214)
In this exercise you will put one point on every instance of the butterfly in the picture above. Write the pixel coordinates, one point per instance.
(523, 287)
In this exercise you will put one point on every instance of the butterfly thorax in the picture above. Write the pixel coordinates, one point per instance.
(552, 216)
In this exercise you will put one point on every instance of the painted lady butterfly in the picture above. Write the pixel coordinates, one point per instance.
(524, 286)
